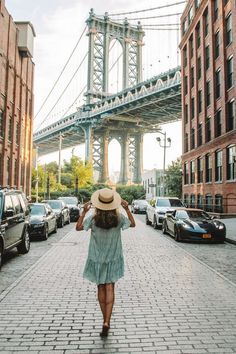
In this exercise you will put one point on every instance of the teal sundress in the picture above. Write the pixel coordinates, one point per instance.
(105, 261)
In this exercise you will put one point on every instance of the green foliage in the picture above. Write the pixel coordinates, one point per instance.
(173, 180)
(130, 193)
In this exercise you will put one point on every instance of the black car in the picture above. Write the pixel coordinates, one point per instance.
(61, 210)
(139, 206)
(42, 220)
(73, 205)
(193, 225)
(14, 218)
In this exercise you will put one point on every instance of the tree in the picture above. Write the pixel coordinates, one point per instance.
(78, 169)
(173, 179)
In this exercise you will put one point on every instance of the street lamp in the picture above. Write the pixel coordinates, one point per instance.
(37, 175)
(166, 144)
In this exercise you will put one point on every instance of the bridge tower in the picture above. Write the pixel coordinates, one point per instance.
(101, 31)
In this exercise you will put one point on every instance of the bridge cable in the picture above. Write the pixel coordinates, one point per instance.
(63, 69)
(150, 17)
(145, 10)
(63, 90)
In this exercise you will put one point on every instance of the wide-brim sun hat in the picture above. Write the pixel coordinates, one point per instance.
(106, 199)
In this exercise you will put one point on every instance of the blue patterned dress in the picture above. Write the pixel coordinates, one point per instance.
(105, 261)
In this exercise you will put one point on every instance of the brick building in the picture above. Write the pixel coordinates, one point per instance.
(208, 52)
(16, 101)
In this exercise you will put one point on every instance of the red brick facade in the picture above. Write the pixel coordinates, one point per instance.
(208, 49)
(16, 107)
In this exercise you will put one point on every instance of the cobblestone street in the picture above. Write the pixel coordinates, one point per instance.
(168, 301)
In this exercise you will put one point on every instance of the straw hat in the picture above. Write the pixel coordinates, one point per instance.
(106, 199)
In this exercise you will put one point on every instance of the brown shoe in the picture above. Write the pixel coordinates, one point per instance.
(105, 330)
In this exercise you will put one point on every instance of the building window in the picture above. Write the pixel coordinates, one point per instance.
(192, 77)
(208, 129)
(216, 9)
(208, 93)
(186, 173)
(199, 68)
(208, 168)
(218, 203)
(229, 36)
(230, 73)
(192, 172)
(184, 26)
(199, 170)
(218, 83)
(185, 85)
(192, 108)
(218, 123)
(186, 199)
(218, 166)
(217, 44)
(231, 116)
(191, 46)
(197, 3)
(8, 171)
(10, 128)
(190, 15)
(209, 203)
(207, 56)
(186, 142)
(199, 131)
(185, 55)
(231, 161)
(192, 201)
(199, 101)
(199, 201)
(15, 174)
(17, 133)
(192, 139)
(186, 114)
(198, 35)
(206, 22)
(1, 124)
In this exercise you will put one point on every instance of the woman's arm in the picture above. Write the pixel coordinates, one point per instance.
(125, 205)
(79, 224)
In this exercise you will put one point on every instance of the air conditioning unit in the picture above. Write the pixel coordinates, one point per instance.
(25, 39)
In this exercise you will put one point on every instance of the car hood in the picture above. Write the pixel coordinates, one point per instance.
(164, 209)
(36, 219)
(203, 225)
(72, 206)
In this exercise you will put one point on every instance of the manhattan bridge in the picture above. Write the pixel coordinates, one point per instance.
(140, 107)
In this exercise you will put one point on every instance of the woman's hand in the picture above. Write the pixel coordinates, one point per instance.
(124, 204)
(87, 206)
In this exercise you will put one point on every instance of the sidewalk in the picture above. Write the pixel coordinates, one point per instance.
(168, 302)
(230, 229)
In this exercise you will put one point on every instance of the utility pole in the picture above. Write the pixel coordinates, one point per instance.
(37, 176)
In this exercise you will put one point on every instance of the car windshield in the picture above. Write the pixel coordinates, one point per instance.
(193, 214)
(37, 210)
(141, 202)
(54, 204)
(169, 203)
(69, 200)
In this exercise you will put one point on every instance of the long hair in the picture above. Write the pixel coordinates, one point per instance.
(106, 219)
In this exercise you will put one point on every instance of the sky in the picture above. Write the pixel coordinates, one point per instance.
(58, 25)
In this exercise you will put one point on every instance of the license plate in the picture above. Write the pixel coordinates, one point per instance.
(206, 236)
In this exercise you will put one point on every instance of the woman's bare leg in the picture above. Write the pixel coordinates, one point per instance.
(102, 299)
(110, 298)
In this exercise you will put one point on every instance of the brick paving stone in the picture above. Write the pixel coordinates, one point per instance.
(167, 302)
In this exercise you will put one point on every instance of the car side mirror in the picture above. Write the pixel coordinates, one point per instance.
(9, 213)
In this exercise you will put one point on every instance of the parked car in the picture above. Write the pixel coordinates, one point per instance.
(139, 206)
(194, 225)
(42, 220)
(158, 207)
(73, 205)
(14, 219)
(61, 210)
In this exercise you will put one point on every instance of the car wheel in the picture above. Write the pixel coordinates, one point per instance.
(147, 221)
(24, 246)
(177, 235)
(164, 228)
(155, 223)
(45, 234)
(61, 223)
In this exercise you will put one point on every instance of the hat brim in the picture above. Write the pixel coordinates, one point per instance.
(105, 206)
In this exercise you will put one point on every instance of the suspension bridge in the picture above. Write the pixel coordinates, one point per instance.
(139, 107)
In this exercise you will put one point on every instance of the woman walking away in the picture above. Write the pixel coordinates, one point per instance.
(105, 262)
